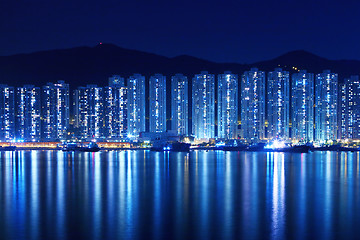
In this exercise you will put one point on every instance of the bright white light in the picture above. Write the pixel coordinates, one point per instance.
(275, 145)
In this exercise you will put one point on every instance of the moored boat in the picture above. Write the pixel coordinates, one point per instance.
(8, 148)
(234, 148)
(71, 147)
(170, 146)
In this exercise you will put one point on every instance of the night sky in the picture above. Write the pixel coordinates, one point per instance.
(222, 31)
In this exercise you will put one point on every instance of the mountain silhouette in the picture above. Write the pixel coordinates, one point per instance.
(93, 65)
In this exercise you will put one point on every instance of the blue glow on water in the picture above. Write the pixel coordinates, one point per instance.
(278, 191)
(196, 195)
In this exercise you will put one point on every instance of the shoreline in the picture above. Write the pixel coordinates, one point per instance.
(193, 149)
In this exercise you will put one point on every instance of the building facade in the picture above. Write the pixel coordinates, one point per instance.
(326, 108)
(7, 113)
(136, 105)
(95, 112)
(350, 108)
(342, 110)
(227, 100)
(80, 103)
(302, 110)
(179, 105)
(253, 105)
(115, 103)
(55, 111)
(203, 106)
(278, 104)
(89, 112)
(28, 113)
(157, 93)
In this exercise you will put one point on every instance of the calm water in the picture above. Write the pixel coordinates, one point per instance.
(196, 195)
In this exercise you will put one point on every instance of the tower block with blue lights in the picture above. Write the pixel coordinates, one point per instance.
(89, 112)
(28, 113)
(179, 104)
(278, 103)
(302, 109)
(227, 105)
(253, 105)
(55, 111)
(7, 113)
(157, 87)
(203, 106)
(136, 105)
(350, 108)
(326, 98)
(115, 104)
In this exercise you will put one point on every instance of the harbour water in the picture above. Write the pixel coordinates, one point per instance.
(162, 195)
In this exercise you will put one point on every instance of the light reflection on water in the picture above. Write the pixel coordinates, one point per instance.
(196, 195)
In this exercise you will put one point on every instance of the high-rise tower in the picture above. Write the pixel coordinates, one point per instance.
(136, 105)
(203, 106)
(326, 98)
(7, 113)
(278, 102)
(115, 98)
(253, 105)
(302, 110)
(55, 111)
(179, 104)
(227, 105)
(157, 87)
(28, 122)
